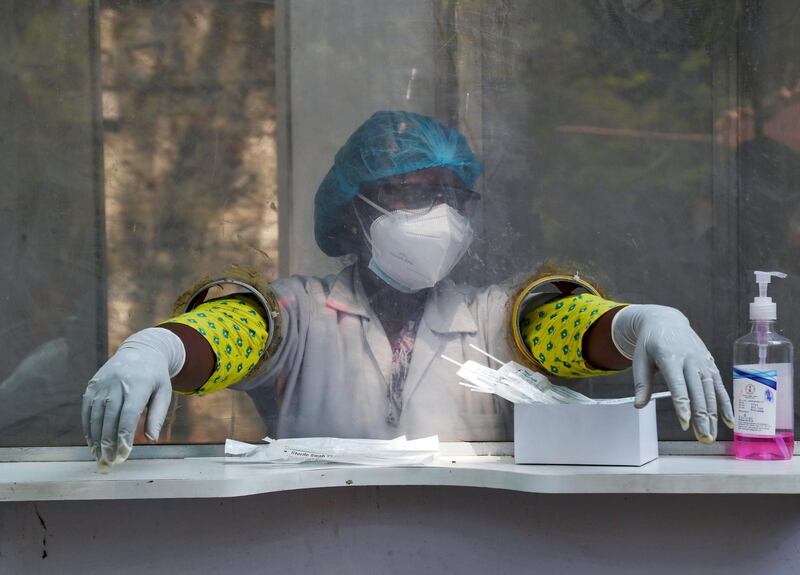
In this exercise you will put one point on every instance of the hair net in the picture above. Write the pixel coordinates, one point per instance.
(387, 144)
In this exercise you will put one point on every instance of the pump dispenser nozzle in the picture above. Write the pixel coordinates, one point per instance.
(762, 307)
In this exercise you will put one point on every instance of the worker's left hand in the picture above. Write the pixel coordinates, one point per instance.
(659, 338)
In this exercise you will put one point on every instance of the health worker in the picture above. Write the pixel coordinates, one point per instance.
(358, 353)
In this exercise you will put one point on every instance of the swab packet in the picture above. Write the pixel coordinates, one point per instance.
(398, 451)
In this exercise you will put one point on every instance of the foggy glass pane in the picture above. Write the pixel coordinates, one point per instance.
(53, 311)
(649, 146)
(189, 122)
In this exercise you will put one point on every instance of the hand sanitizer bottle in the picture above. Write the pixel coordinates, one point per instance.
(763, 381)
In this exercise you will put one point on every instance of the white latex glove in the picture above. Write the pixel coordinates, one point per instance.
(660, 338)
(138, 375)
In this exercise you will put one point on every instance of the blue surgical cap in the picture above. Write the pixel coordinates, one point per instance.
(388, 144)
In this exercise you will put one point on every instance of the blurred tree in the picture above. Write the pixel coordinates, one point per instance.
(190, 167)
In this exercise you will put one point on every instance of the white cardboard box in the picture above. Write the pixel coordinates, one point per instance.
(576, 434)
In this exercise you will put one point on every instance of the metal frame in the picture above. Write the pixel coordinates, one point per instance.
(98, 177)
(142, 452)
(725, 194)
(270, 315)
(283, 98)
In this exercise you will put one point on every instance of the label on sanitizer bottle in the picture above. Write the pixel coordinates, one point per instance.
(755, 396)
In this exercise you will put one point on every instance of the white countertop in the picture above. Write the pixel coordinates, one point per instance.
(213, 477)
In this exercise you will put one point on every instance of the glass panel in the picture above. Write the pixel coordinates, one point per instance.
(53, 319)
(595, 123)
(649, 146)
(183, 102)
(766, 123)
(190, 169)
(597, 135)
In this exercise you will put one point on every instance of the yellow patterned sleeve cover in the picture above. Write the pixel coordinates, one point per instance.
(554, 333)
(236, 332)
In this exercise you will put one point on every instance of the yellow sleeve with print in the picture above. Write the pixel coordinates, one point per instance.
(237, 334)
(554, 333)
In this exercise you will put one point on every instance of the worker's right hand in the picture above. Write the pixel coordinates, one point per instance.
(135, 377)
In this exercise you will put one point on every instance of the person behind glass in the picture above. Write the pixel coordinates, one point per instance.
(360, 351)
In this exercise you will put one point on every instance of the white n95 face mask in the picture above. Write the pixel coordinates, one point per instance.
(414, 249)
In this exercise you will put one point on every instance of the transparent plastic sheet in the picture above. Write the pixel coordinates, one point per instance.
(656, 144)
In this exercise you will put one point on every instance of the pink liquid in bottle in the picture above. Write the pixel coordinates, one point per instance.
(763, 383)
(777, 447)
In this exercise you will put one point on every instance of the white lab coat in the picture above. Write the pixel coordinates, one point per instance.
(332, 370)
